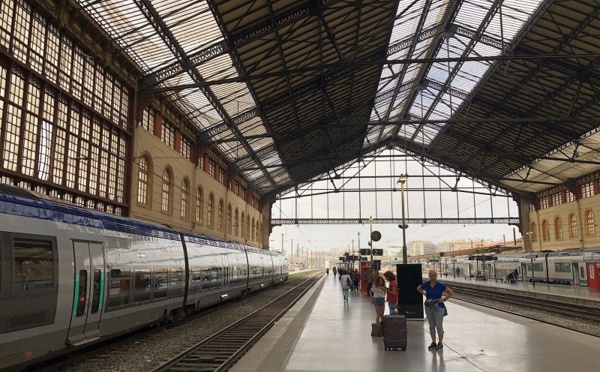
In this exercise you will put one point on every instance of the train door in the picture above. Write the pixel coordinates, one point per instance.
(226, 277)
(575, 270)
(524, 273)
(88, 285)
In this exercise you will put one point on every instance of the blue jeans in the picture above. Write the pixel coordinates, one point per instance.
(435, 317)
(392, 306)
(345, 292)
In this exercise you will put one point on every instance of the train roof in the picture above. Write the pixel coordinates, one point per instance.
(20, 202)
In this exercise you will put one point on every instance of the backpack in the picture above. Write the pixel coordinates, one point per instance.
(348, 282)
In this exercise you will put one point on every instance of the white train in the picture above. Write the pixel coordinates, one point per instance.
(70, 276)
(562, 267)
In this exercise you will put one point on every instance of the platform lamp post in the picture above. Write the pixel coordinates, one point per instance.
(371, 237)
(453, 260)
(402, 181)
(528, 234)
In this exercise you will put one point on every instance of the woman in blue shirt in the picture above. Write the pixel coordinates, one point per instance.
(434, 307)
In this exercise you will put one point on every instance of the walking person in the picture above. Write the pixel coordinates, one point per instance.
(346, 283)
(334, 271)
(435, 308)
(378, 299)
(392, 291)
(356, 281)
(327, 271)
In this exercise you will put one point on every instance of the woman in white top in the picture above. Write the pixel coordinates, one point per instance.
(346, 283)
(379, 290)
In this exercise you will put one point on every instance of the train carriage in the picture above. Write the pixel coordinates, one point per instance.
(70, 276)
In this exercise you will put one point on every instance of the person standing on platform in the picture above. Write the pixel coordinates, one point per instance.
(434, 307)
(370, 279)
(327, 271)
(334, 271)
(346, 283)
(379, 290)
(356, 281)
(392, 291)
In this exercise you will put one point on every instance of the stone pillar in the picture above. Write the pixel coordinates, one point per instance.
(266, 227)
(525, 222)
(158, 125)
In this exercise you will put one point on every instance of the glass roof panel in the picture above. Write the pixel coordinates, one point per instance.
(506, 23)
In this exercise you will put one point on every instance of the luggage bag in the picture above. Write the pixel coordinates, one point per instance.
(395, 333)
(376, 330)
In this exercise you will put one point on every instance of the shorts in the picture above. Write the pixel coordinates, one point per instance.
(379, 301)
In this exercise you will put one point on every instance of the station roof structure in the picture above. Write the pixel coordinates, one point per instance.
(506, 92)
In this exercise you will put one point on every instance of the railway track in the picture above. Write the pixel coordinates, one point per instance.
(223, 349)
(581, 311)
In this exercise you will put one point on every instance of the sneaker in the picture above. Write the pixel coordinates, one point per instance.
(432, 346)
(440, 346)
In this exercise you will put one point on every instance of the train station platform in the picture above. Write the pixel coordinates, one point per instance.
(564, 293)
(324, 333)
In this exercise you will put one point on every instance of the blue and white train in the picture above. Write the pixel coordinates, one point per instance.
(71, 276)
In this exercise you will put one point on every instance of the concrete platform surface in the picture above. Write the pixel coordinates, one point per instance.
(324, 333)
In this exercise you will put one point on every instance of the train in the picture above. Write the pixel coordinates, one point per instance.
(568, 267)
(71, 277)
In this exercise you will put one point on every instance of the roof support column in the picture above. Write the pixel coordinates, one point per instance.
(525, 227)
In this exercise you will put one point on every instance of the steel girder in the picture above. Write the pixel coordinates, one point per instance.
(395, 221)
(161, 28)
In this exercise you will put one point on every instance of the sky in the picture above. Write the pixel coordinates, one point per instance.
(428, 194)
(326, 237)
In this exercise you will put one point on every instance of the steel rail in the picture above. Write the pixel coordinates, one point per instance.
(224, 348)
(553, 306)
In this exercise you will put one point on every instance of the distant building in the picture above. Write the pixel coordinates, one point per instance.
(392, 251)
(421, 247)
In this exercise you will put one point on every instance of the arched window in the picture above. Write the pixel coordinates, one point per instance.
(533, 234)
(236, 223)
(199, 205)
(260, 230)
(167, 191)
(257, 231)
(243, 227)
(253, 236)
(144, 186)
(545, 231)
(572, 226)
(220, 215)
(248, 236)
(211, 211)
(229, 219)
(590, 226)
(558, 229)
(184, 198)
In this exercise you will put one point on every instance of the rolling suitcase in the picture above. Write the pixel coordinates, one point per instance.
(395, 332)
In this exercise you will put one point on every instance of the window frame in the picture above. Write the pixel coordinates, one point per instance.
(10, 279)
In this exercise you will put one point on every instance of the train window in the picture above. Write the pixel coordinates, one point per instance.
(215, 277)
(96, 291)
(119, 288)
(562, 267)
(81, 292)
(160, 283)
(141, 289)
(33, 265)
(195, 280)
(205, 275)
(177, 282)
